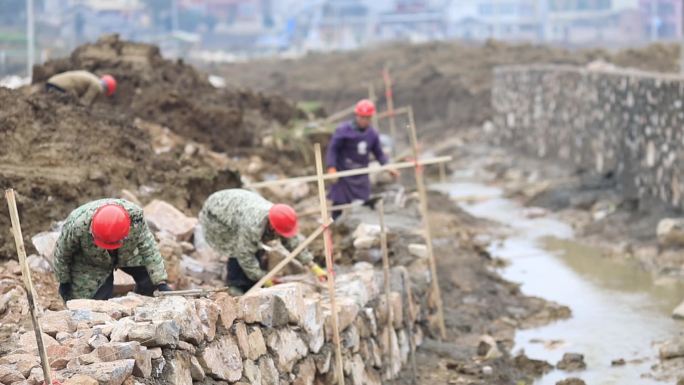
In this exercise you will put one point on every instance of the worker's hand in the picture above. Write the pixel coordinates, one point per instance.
(394, 172)
(332, 171)
(65, 291)
(318, 272)
(164, 287)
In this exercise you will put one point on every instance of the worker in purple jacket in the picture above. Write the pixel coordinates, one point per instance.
(349, 148)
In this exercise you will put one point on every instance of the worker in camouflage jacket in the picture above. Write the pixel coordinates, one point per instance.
(238, 222)
(99, 237)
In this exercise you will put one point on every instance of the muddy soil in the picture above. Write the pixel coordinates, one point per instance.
(173, 94)
(448, 84)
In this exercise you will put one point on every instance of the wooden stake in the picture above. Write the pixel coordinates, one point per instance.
(390, 104)
(28, 283)
(357, 171)
(372, 98)
(442, 172)
(293, 254)
(339, 115)
(420, 182)
(331, 208)
(190, 292)
(409, 316)
(329, 263)
(386, 273)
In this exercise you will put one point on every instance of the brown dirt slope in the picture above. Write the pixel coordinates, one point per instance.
(448, 84)
(173, 94)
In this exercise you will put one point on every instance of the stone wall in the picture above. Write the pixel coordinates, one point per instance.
(275, 336)
(620, 122)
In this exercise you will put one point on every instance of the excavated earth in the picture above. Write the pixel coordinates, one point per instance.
(447, 83)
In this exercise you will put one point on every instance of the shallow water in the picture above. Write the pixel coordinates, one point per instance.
(619, 310)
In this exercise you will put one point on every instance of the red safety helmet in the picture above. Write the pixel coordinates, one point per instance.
(364, 108)
(110, 226)
(283, 219)
(109, 83)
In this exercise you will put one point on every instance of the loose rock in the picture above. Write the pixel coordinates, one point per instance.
(572, 362)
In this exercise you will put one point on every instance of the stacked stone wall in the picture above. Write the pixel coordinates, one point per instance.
(626, 123)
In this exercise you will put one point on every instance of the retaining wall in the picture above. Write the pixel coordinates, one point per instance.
(621, 122)
(276, 336)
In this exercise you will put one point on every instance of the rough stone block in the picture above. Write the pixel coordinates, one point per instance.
(111, 308)
(221, 359)
(27, 341)
(348, 310)
(287, 347)
(269, 372)
(196, 371)
(21, 362)
(160, 333)
(109, 373)
(264, 308)
(178, 369)
(173, 308)
(228, 309)
(311, 322)
(208, 313)
(80, 379)
(164, 217)
(45, 243)
(305, 372)
(323, 359)
(252, 372)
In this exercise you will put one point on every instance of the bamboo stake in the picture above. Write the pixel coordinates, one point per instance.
(373, 98)
(390, 102)
(340, 115)
(329, 264)
(386, 273)
(346, 173)
(420, 182)
(442, 172)
(191, 292)
(331, 208)
(293, 254)
(409, 316)
(28, 283)
(396, 112)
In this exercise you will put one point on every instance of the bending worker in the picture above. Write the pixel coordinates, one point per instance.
(98, 238)
(350, 148)
(82, 84)
(237, 222)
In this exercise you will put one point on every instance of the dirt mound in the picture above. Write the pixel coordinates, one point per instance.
(449, 84)
(58, 156)
(173, 94)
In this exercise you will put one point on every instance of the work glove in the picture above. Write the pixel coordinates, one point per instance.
(164, 287)
(65, 291)
(318, 272)
(272, 281)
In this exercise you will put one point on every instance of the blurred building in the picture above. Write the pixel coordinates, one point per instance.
(661, 19)
(571, 22)
(415, 20)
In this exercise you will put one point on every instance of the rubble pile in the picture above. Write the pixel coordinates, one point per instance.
(280, 335)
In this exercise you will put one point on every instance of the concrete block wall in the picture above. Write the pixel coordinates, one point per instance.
(628, 123)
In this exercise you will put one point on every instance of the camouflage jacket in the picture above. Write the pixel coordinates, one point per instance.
(79, 262)
(235, 223)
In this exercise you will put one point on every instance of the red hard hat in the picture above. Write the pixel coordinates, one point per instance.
(364, 108)
(283, 219)
(110, 226)
(110, 84)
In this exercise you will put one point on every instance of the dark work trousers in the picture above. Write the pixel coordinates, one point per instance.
(143, 283)
(52, 87)
(237, 277)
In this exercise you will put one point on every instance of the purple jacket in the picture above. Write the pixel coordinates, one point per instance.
(350, 148)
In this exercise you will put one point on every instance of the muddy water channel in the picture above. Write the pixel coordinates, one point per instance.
(619, 311)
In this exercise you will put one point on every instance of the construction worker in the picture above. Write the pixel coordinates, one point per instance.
(237, 223)
(350, 148)
(98, 238)
(82, 84)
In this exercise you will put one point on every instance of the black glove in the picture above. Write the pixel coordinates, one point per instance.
(164, 287)
(65, 291)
